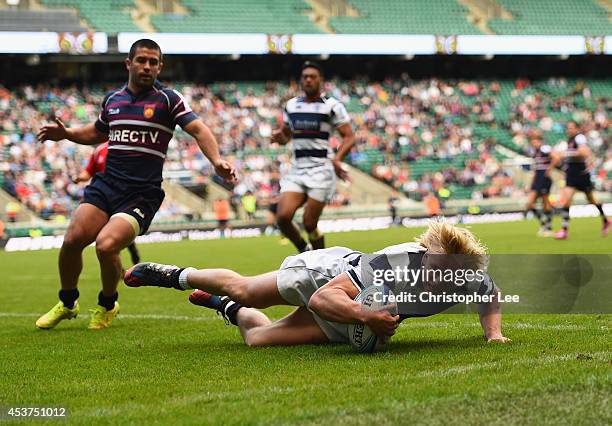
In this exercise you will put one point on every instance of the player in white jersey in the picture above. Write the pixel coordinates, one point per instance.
(323, 285)
(308, 123)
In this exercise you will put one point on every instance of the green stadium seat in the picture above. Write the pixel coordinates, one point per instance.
(239, 16)
(107, 16)
(550, 17)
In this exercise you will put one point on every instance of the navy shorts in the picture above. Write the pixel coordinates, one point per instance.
(582, 182)
(115, 196)
(541, 185)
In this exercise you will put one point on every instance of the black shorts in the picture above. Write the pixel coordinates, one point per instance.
(115, 196)
(272, 208)
(541, 185)
(582, 182)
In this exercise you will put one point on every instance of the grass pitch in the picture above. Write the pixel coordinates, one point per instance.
(167, 362)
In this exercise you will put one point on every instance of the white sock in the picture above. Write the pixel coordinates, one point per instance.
(183, 278)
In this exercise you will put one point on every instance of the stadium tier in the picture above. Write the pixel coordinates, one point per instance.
(406, 17)
(108, 16)
(51, 20)
(242, 16)
(545, 17)
(446, 137)
(552, 17)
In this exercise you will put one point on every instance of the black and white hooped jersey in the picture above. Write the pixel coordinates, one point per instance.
(542, 159)
(574, 164)
(362, 270)
(311, 124)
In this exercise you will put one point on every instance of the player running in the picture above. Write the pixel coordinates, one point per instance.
(577, 178)
(545, 162)
(138, 120)
(308, 122)
(323, 284)
(97, 164)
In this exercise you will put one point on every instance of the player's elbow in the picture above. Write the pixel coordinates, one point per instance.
(317, 300)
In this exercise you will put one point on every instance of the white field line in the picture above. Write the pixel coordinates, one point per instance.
(127, 316)
(548, 359)
(407, 324)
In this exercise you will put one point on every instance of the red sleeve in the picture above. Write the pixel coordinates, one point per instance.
(91, 164)
(102, 153)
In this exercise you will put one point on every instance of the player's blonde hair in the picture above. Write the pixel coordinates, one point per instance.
(441, 237)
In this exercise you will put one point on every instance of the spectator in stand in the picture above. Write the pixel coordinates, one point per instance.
(12, 209)
(432, 205)
(392, 204)
(249, 203)
(399, 124)
(222, 213)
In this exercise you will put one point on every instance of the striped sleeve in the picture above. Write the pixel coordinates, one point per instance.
(485, 287)
(180, 111)
(102, 121)
(286, 119)
(354, 276)
(580, 139)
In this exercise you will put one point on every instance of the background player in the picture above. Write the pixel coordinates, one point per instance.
(138, 120)
(323, 284)
(577, 178)
(308, 121)
(97, 164)
(545, 162)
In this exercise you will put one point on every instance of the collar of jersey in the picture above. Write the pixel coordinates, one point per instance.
(156, 86)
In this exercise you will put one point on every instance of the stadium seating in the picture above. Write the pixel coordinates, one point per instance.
(406, 17)
(26, 20)
(549, 17)
(242, 16)
(108, 16)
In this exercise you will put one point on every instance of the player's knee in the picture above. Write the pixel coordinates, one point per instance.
(74, 240)
(284, 218)
(106, 246)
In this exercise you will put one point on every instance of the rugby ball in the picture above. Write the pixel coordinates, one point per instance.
(371, 298)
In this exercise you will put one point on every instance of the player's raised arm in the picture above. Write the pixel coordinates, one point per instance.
(87, 135)
(334, 302)
(207, 143)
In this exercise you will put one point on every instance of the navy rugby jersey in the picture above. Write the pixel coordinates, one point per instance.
(574, 164)
(139, 128)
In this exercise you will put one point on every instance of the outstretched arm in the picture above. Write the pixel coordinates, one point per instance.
(207, 143)
(334, 302)
(87, 135)
(490, 319)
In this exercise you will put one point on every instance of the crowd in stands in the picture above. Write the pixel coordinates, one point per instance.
(404, 122)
